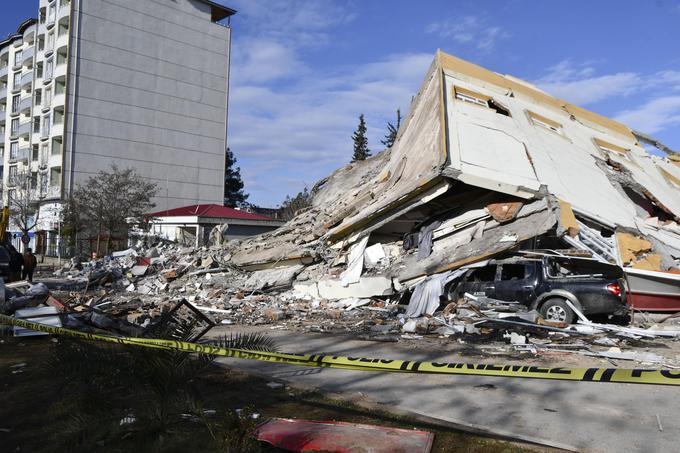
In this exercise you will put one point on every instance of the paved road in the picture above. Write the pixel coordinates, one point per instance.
(589, 417)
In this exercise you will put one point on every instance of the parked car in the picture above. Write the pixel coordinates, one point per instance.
(544, 283)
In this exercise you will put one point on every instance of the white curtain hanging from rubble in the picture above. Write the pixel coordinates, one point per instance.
(427, 293)
(355, 264)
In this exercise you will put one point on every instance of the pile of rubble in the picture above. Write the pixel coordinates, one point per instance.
(484, 166)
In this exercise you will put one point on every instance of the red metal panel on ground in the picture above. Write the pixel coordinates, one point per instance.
(340, 437)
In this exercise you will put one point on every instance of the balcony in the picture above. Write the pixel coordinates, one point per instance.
(22, 155)
(26, 80)
(60, 70)
(24, 129)
(4, 53)
(59, 100)
(3, 93)
(29, 34)
(55, 158)
(25, 104)
(64, 8)
(57, 129)
(28, 54)
(51, 18)
(18, 42)
(53, 193)
(3, 112)
(3, 73)
(61, 43)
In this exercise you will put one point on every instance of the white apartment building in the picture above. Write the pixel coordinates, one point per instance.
(140, 84)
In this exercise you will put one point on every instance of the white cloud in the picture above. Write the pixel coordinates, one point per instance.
(577, 84)
(653, 116)
(263, 60)
(468, 30)
(671, 79)
(312, 119)
(656, 92)
(291, 124)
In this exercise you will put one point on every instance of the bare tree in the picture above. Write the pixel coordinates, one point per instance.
(24, 201)
(106, 203)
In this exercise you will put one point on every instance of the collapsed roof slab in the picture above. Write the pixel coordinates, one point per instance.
(533, 220)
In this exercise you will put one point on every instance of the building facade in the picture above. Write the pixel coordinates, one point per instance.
(96, 83)
(192, 225)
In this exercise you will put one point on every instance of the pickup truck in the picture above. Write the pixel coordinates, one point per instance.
(544, 283)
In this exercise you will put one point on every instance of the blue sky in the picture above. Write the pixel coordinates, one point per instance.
(303, 70)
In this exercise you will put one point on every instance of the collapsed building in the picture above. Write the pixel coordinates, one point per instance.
(484, 164)
(485, 168)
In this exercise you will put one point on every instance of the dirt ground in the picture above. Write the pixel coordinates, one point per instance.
(29, 391)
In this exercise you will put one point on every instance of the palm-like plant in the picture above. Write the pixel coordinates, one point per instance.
(140, 394)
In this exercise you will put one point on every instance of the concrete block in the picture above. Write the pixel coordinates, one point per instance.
(365, 287)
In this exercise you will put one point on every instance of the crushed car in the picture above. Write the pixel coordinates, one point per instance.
(545, 283)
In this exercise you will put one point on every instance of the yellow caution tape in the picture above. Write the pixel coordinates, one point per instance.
(619, 375)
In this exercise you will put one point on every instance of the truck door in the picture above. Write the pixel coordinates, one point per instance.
(481, 282)
(515, 282)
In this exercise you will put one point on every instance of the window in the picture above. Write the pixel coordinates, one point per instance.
(51, 13)
(13, 151)
(43, 184)
(16, 99)
(36, 124)
(464, 95)
(34, 180)
(48, 69)
(513, 272)
(46, 125)
(545, 123)
(18, 57)
(39, 70)
(36, 153)
(44, 153)
(13, 173)
(11, 194)
(38, 97)
(482, 100)
(16, 80)
(14, 129)
(55, 177)
(483, 274)
(610, 148)
(47, 99)
(41, 42)
(50, 41)
(56, 147)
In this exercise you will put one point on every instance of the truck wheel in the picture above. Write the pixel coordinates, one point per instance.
(557, 310)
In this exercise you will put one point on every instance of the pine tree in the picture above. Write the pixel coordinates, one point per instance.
(392, 130)
(361, 151)
(233, 184)
(291, 206)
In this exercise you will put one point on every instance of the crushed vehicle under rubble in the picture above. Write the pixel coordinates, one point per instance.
(543, 283)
